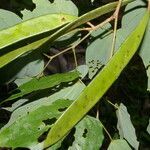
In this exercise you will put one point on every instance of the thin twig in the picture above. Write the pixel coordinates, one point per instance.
(101, 24)
(91, 29)
(106, 132)
(41, 73)
(90, 24)
(75, 57)
(115, 15)
(112, 104)
(97, 111)
(149, 5)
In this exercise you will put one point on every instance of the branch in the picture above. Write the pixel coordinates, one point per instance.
(116, 14)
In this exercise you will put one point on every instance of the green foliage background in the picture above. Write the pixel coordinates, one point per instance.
(82, 98)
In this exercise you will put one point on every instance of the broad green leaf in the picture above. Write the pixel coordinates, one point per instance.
(125, 127)
(70, 93)
(119, 145)
(25, 131)
(15, 105)
(45, 7)
(98, 51)
(83, 69)
(7, 58)
(145, 53)
(100, 84)
(33, 27)
(27, 66)
(20, 81)
(26, 125)
(148, 127)
(43, 83)
(88, 134)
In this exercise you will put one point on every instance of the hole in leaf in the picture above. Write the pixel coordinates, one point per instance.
(43, 136)
(52, 1)
(49, 121)
(62, 109)
(70, 83)
(58, 86)
(96, 67)
(21, 148)
(85, 133)
(39, 128)
(68, 141)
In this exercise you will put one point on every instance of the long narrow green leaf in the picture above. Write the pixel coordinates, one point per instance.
(100, 84)
(43, 83)
(33, 27)
(7, 58)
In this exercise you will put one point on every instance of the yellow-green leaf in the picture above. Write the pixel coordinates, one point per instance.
(100, 84)
(32, 27)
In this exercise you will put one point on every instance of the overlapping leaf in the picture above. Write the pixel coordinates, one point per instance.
(33, 27)
(99, 85)
(34, 119)
(32, 124)
(43, 83)
(119, 144)
(145, 54)
(45, 7)
(99, 50)
(8, 19)
(88, 134)
(7, 58)
(30, 65)
(125, 127)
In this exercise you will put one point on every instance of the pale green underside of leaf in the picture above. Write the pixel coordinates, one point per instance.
(88, 135)
(145, 54)
(44, 7)
(125, 127)
(99, 85)
(8, 19)
(119, 145)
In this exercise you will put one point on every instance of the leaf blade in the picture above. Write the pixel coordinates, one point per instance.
(99, 85)
(125, 127)
(43, 83)
(119, 144)
(33, 27)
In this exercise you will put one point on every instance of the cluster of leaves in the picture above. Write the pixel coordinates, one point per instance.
(41, 110)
